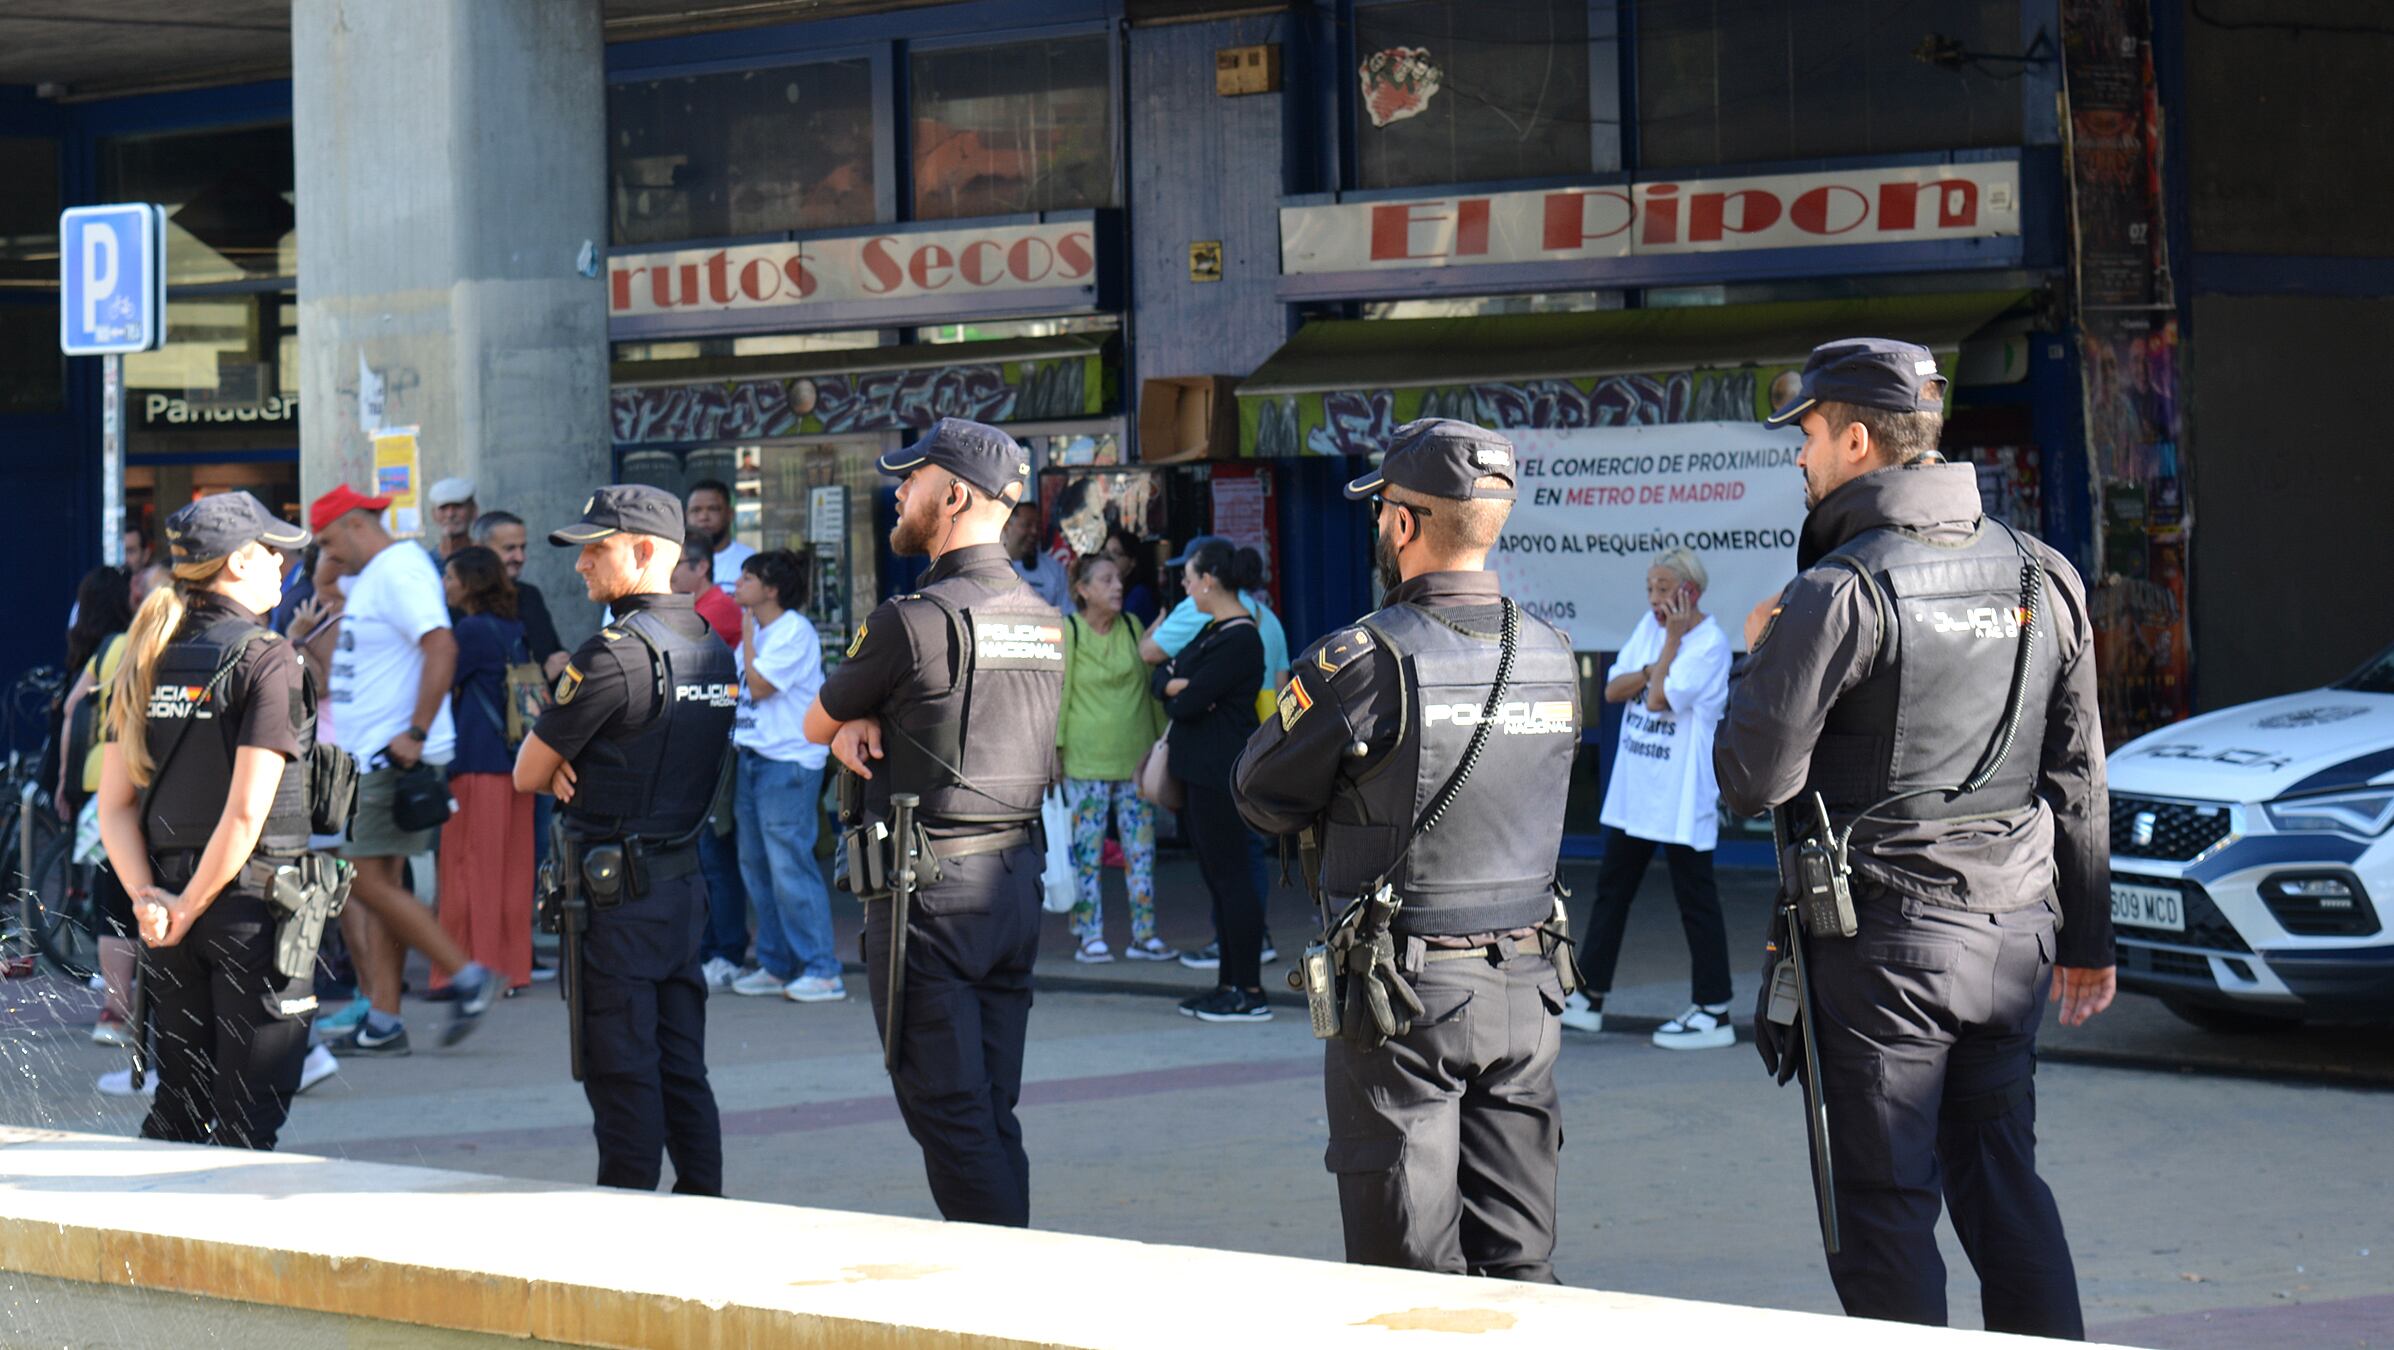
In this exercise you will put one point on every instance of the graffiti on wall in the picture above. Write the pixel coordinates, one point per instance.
(1358, 421)
(834, 404)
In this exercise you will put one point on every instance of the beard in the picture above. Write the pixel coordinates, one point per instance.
(1384, 562)
(911, 536)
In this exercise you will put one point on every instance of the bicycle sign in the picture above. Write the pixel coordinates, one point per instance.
(112, 279)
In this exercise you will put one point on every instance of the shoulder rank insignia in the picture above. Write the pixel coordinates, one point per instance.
(568, 684)
(1294, 702)
(856, 644)
(613, 634)
(1340, 649)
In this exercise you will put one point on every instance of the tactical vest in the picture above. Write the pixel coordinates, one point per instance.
(1928, 713)
(187, 799)
(657, 782)
(983, 750)
(1489, 864)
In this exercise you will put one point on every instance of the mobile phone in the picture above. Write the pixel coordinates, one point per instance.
(1687, 596)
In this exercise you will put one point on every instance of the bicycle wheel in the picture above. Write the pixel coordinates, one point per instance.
(62, 909)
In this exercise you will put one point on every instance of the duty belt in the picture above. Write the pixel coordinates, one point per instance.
(974, 845)
(175, 866)
(1503, 947)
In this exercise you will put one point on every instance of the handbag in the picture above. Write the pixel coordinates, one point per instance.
(1156, 783)
(419, 797)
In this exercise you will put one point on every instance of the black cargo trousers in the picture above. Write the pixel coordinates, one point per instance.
(1446, 1140)
(1927, 1032)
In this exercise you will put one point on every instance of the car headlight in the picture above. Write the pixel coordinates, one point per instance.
(2367, 813)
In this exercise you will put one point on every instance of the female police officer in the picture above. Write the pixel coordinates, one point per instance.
(209, 711)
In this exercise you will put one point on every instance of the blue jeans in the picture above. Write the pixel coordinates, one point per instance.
(780, 807)
(727, 896)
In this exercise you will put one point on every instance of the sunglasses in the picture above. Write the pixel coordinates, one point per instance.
(1380, 504)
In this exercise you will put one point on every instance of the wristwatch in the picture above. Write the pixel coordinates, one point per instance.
(417, 733)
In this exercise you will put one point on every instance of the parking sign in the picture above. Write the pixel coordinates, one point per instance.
(112, 279)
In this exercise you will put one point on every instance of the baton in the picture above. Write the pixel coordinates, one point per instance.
(901, 913)
(1816, 1101)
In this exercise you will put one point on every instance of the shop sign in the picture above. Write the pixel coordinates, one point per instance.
(169, 410)
(1862, 206)
(844, 403)
(852, 268)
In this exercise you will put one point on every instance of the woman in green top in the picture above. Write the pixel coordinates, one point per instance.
(1109, 720)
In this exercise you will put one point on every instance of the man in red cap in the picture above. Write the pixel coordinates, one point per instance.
(390, 694)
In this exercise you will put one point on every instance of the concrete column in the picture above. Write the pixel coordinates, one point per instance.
(452, 166)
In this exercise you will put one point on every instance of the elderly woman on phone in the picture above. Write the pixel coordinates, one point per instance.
(1673, 673)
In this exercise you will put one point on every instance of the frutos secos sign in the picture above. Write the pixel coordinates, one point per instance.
(1873, 206)
(878, 267)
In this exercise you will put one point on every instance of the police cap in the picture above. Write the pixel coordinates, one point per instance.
(217, 526)
(976, 452)
(1868, 373)
(625, 508)
(1441, 457)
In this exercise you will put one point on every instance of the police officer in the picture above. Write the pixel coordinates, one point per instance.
(1893, 672)
(203, 793)
(1427, 754)
(951, 694)
(631, 751)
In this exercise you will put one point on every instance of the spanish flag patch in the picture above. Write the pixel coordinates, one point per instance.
(1294, 703)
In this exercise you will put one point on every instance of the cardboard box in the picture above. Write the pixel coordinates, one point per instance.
(1185, 417)
(1247, 70)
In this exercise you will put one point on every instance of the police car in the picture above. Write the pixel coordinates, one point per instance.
(2253, 858)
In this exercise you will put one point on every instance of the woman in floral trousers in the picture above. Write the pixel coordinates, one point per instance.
(1109, 719)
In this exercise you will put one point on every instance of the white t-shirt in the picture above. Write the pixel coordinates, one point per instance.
(727, 565)
(789, 654)
(1663, 786)
(392, 603)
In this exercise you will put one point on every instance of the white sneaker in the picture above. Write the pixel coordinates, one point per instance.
(109, 1031)
(815, 989)
(321, 1064)
(1699, 1028)
(119, 1083)
(1581, 1015)
(758, 983)
(1094, 952)
(1150, 949)
(719, 973)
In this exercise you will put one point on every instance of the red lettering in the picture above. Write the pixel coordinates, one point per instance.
(969, 262)
(1030, 252)
(930, 261)
(660, 285)
(759, 280)
(1811, 211)
(1392, 228)
(1076, 256)
(1662, 215)
(1707, 213)
(1471, 227)
(619, 284)
(882, 274)
(1957, 203)
(1567, 218)
(1897, 203)
(718, 277)
(801, 280)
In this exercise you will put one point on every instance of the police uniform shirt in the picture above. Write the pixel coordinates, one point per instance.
(903, 649)
(610, 684)
(1342, 692)
(266, 689)
(1824, 641)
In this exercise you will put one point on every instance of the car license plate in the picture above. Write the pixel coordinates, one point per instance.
(2148, 906)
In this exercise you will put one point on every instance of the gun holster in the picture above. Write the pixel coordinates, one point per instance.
(609, 875)
(310, 893)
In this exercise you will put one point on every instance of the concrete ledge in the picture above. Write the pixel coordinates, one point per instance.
(585, 1266)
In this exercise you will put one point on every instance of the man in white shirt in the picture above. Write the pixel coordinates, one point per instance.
(708, 511)
(390, 698)
(1036, 566)
(1673, 673)
(779, 799)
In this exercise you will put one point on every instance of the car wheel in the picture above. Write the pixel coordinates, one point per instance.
(2231, 1020)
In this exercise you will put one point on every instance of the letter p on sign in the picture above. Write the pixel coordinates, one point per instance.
(112, 279)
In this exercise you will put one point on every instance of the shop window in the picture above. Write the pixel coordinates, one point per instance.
(29, 209)
(1728, 81)
(1453, 91)
(741, 153)
(226, 380)
(1013, 129)
(228, 197)
(32, 373)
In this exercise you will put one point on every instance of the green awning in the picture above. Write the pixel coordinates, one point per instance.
(1341, 385)
(1511, 348)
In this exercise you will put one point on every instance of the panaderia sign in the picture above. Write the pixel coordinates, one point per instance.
(962, 264)
(1869, 206)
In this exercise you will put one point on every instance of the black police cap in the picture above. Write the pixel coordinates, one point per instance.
(217, 526)
(1441, 457)
(976, 452)
(625, 508)
(1868, 373)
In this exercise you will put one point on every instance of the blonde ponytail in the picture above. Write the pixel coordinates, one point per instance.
(154, 626)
